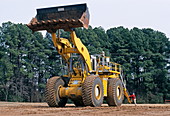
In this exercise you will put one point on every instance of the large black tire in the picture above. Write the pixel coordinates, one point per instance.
(52, 92)
(115, 93)
(92, 91)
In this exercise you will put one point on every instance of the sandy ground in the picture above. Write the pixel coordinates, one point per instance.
(41, 109)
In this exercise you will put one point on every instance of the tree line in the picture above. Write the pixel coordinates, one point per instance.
(28, 60)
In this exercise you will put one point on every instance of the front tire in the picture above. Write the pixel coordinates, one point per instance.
(52, 92)
(115, 93)
(92, 91)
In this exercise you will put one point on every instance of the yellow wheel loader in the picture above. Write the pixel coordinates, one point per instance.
(89, 79)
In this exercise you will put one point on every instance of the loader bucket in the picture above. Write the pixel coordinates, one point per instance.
(62, 17)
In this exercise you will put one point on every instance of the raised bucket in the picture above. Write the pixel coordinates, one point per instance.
(62, 17)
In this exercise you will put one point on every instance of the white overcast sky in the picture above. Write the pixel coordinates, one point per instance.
(153, 14)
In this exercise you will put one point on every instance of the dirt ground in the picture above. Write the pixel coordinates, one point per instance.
(41, 109)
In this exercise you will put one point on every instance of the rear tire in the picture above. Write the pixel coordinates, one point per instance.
(115, 93)
(92, 91)
(52, 92)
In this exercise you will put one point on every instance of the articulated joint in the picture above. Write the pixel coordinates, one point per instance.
(70, 92)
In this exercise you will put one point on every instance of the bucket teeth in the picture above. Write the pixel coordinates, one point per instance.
(55, 24)
(54, 21)
(60, 21)
(43, 22)
(73, 20)
(66, 20)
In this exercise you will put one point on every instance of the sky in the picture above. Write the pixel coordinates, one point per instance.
(153, 14)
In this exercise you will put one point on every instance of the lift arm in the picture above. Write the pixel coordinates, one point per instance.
(82, 50)
(61, 44)
(64, 48)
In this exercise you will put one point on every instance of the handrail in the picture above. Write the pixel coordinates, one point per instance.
(115, 66)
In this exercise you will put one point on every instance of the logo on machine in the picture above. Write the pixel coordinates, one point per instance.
(60, 9)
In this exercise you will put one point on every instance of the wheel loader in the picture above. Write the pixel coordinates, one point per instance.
(90, 79)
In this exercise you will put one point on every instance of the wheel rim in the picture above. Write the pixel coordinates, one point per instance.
(58, 90)
(118, 92)
(97, 92)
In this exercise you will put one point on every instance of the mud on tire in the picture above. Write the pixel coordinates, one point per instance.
(52, 92)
